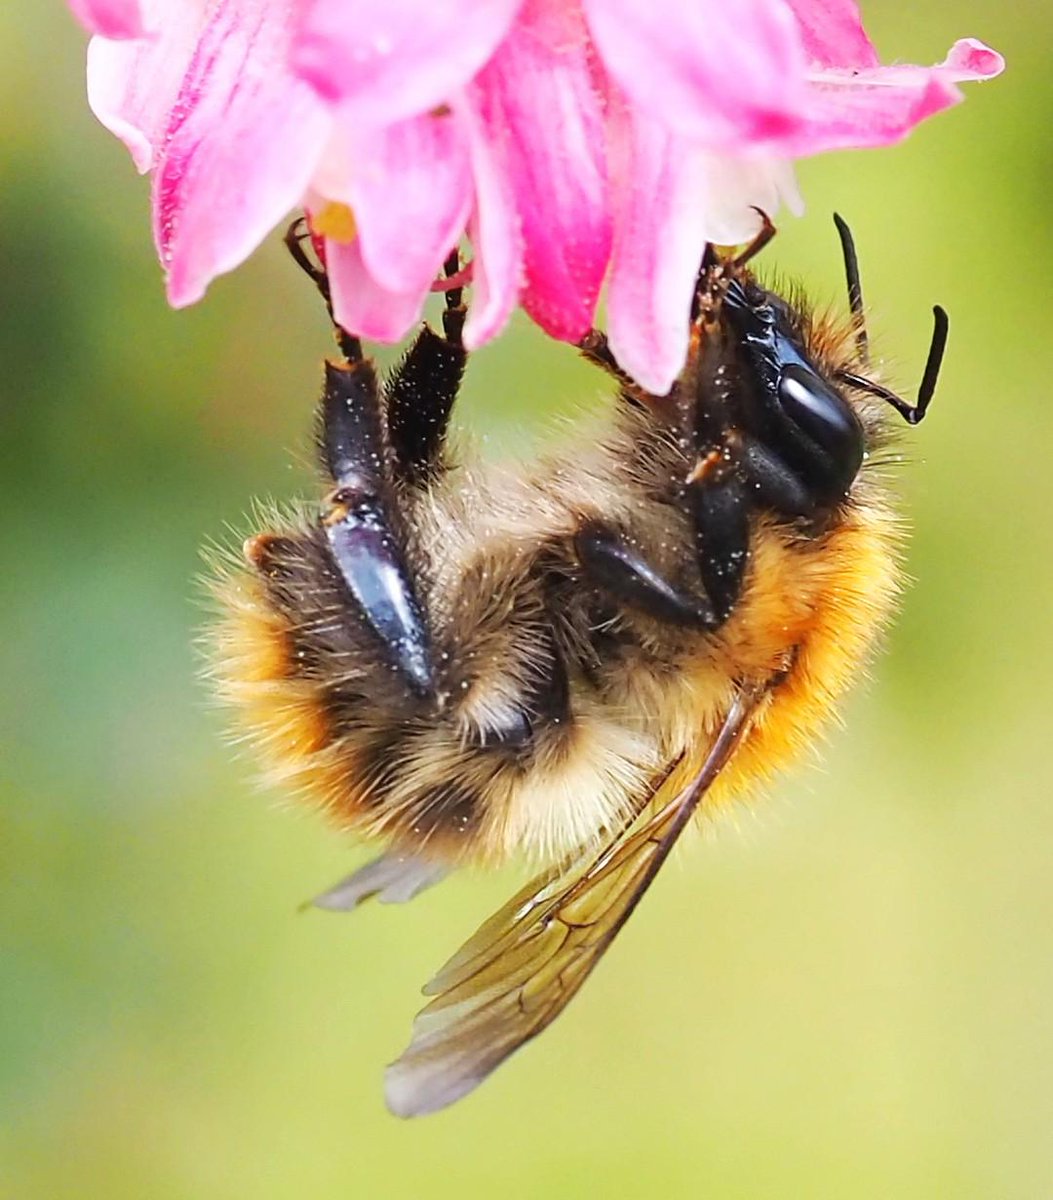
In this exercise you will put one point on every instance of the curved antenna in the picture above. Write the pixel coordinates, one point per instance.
(915, 414)
(855, 287)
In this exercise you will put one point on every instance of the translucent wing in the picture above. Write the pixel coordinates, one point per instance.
(523, 965)
(393, 878)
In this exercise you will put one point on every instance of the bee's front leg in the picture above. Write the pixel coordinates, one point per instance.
(719, 502)
(612, 563)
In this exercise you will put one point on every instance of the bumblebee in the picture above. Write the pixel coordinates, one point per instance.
(567, 663)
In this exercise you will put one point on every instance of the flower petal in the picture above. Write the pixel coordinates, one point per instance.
(849, 109)
(132, 85)
(672, 198)
(970, 60)
(397, 58)
(659, 239)
(494, 230)
(110, 18)
(544, 121)
(410, 188)
(723, 73)
(238, 150)
(360, 304)
(833, 33)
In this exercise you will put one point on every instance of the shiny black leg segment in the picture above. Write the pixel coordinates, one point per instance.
(615, 566)
(720, 505)
(360, 525)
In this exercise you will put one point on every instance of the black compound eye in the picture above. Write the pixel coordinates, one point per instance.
(819, 412)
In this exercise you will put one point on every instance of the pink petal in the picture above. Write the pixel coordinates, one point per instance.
(544, 121)
(239, 147)
(110, 18)
(671, 199)
(970, 60)
(849, 109)
(855, 111)
(833, 33)
(659, 239)
(725, 72)
(494, 230)
(397, 58)
(360, 304)
(410, 188)
(132, 85)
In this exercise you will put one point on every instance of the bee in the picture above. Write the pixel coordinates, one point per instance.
(471, 663)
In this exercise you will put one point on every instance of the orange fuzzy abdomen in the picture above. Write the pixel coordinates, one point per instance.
(821, 609)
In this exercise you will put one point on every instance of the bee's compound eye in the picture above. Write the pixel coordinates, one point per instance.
(818, 411)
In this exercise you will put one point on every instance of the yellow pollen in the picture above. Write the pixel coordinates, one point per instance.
(335, 221)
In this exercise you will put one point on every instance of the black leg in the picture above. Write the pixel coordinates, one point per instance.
(420, 397)
(613, 565)
(359, 525)
(295, 237)
(720, 504)
(421, 391)
(595, 349)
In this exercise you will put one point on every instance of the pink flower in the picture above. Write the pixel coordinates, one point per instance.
(110, 18)
(573, 141)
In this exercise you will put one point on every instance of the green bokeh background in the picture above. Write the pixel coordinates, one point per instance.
(847, 992)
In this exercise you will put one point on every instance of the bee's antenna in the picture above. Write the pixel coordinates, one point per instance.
(916, 414)
(940, 326)
(855, 287)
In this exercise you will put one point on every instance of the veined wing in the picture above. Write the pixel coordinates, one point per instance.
(523, 966)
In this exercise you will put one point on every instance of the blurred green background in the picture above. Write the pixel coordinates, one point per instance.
(846, 993)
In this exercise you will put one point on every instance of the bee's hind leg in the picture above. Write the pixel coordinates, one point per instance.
(365, 525)
(421, 390)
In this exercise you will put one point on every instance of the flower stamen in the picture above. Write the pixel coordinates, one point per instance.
(335, 220)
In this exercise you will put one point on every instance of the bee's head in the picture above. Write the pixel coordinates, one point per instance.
(762, 383)
(782, 397)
